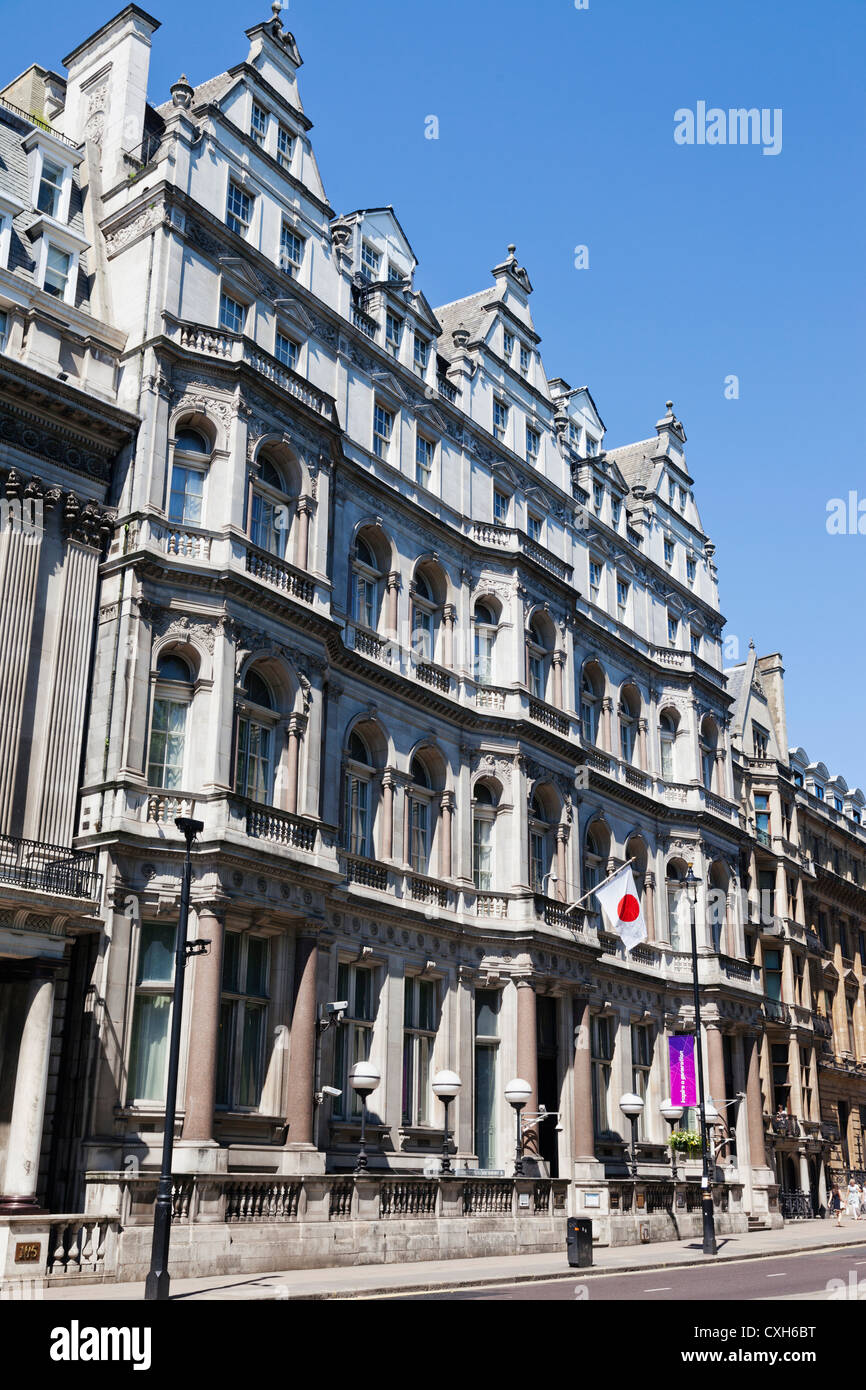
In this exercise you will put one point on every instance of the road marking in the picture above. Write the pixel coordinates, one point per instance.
(777, 1276)
(664, 1288)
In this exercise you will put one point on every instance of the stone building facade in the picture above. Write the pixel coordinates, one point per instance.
(428, 660)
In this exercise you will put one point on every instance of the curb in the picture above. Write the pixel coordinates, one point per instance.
(596, 1271)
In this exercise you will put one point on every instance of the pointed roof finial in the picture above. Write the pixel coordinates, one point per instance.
(511, 250)
(670, 406)
(751, 644)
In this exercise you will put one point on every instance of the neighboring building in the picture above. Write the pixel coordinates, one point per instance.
(427, 659)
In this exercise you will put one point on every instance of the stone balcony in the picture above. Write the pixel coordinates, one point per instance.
(507, 538)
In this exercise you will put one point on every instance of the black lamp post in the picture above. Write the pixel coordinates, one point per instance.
(673, 1114)
(632, 1107)
(518, 1092)
(445, 1085)
(709, 1245)
(363, 1078)
(157, 1284)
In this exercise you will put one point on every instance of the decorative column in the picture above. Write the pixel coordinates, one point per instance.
(449, 614)
(558, 664)
(642, 745)
(302, 1059)
(24, 1137)
(527, 1054)
(302, 549)
(781, 899)
(393, 591)
(20, 549)
(445, 832)
(716, 1065)
(297, 725)
(561, 864)
(606, 734)
(388, 814)
(584, 1135)
(754, 1104)
(720, 772)
(649, 894)
(201, 1070)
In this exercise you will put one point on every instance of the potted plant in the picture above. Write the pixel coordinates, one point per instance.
(686, 1141)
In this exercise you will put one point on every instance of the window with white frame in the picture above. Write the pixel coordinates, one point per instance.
(615, 510)
(365, 586)
(424, 613)
(540, 847)
(269, 509)
(354, 1035)
(501, 504)
(533, 444)
(591, 693)
(602, 1038)
(673, 629)
(291, 250)
(642, 1049)
(669, 551)
(232, 313)
(695, 642)
(598, 497)
(591, 445)
(419, 798)
(393, 333)
(371, 261)
(257, 719)
(420, 354)
(258, 123)
(148, 1056)
(420, 1021)
(507, 344)
(500, 419)
(285, 147)
(286, 351)
(534, 527)
(667, 739)
(356, 798)
(486, 1061)
(243, 1025)
(595, 574)
(172, 697)
(483, 823)
(691, 568)
(239, 209)
(525, 360)
(189, 470)
(622, 592)
(424, 454)
(484, 625)
(383, 426)
(58, 271)
(4, 329)
(50, 191)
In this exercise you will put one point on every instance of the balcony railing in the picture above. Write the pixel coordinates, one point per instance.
(821, 1026)
(262, 565)
(367, 873)
(548, 715)
(48, 868)
(776, 1012)
(280, 827)
(164, 807)
(785, 1125)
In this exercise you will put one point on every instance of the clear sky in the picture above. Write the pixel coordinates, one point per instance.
(556, 129)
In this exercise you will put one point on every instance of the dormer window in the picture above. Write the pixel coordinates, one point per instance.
(760, 740)
(819, 792)
(371, 260)
(50, 191)
(574, 434)
(50, 166)
(591, 446)
(396, 276)
(58, 267)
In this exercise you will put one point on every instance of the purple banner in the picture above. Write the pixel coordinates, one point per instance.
(681, 1049)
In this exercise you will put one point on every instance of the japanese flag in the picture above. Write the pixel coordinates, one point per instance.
(620, 904)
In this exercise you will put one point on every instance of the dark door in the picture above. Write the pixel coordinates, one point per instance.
(548, 1083)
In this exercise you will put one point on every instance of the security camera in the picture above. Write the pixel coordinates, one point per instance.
(339, 1007)
(331, 1091)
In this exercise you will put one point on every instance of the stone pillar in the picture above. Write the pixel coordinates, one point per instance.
(649, 895)
(445, 832)
(584, 1134)
(558, 664)
(19, 572)
(527, 1055)
(606, 709)
(754, 1104)
(296, 732)
(302, 1059)
(720, 772)
(561, 864)
(387, 814)
(24, 1137)
(448, 617)
(393, 592)
(781, 890)
(201, 1068)
(642, 745)
(716, 1066)
(302, 550)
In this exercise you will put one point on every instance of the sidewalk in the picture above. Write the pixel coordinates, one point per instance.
(370, 1281)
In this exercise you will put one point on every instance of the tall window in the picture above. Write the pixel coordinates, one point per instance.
(365, 586)
(285, 147)
(356, 809)
(256, 719)
(642, 1041)
(629, 713)
(291, 250)
(243, 1021)
(420, 1010)
(536, 660)
(806, 1081)
(420, 796)
(595, 573)
(539, 848)
(781, 1081)
(679, 908)
(761, 742)
(269, 511)
(667, 739)
(534, 527)
(709, 738)
(148, 1060)
(524, 360)
(371, 261)
(762, 817)
(622, 588)
(533, 444)
(602, 1057)
(501, 502)
(393, 333)
(355, 1034)
(669, 552)
(484, 625)
(773, 974)
(232, 313)
(673, 630)
(483, 822)
(593, 863)
(286, 351)
(189, 468)
(590, 705)
(383, 424)
(239, 208)
(420, 354)
(172, 696)
(58, 267)
(4, 329)
(50, 189)
(423, 620)
(424, 450)
(500, 419)
(258, 124)
(507, 345)
(487, 1004)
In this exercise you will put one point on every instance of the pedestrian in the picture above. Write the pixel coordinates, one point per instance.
(862, 1191)
(852, 1198)
(836, 1203)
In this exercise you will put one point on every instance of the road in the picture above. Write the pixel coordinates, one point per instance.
(803, 1276)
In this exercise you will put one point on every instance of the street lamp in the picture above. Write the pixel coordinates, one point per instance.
(363, 1078)
(673, 1114)
(445, 1085)
(709, 1243)
(157, 1284)
(632, 1107)
(518, 1092)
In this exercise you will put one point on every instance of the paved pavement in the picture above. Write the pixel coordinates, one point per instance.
(372, 1281)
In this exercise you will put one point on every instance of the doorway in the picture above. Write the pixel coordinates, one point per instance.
(548, 1082)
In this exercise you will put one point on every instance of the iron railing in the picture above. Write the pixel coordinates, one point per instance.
(49, 868)
(795, 1205)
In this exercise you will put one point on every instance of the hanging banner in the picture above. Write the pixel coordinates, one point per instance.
(681, 1050)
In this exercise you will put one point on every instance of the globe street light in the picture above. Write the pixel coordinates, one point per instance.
(363, 1078)
(673, 1114)
(445, 1085)
(632, 1107)
(518, 1092)
(709, 1223)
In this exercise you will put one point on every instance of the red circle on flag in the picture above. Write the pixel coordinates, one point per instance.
(629, 908)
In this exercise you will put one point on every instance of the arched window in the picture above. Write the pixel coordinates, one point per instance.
(420, 799)
(591, 688)
(537, 658)
(366, 577)
(679, 907)
(189, 470)
(709, 738)
(356, 810)
(484, 623)
(424, 613)
(269, 510)
(595, 858)
(484, 805)
(171, 701)
(539, 847)
(629, 713)
(254, 775)
(667, 739)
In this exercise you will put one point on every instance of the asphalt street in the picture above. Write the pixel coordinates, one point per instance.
(821, 1276)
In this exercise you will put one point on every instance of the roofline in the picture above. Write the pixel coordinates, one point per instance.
(128, 9)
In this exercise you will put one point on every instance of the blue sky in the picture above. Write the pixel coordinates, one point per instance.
(556, 130)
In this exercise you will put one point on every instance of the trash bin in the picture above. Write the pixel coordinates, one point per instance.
(579, 1242)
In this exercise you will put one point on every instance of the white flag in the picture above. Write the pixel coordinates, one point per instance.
(620, 904)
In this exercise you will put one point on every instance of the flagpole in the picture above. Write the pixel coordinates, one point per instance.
(571, 907)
